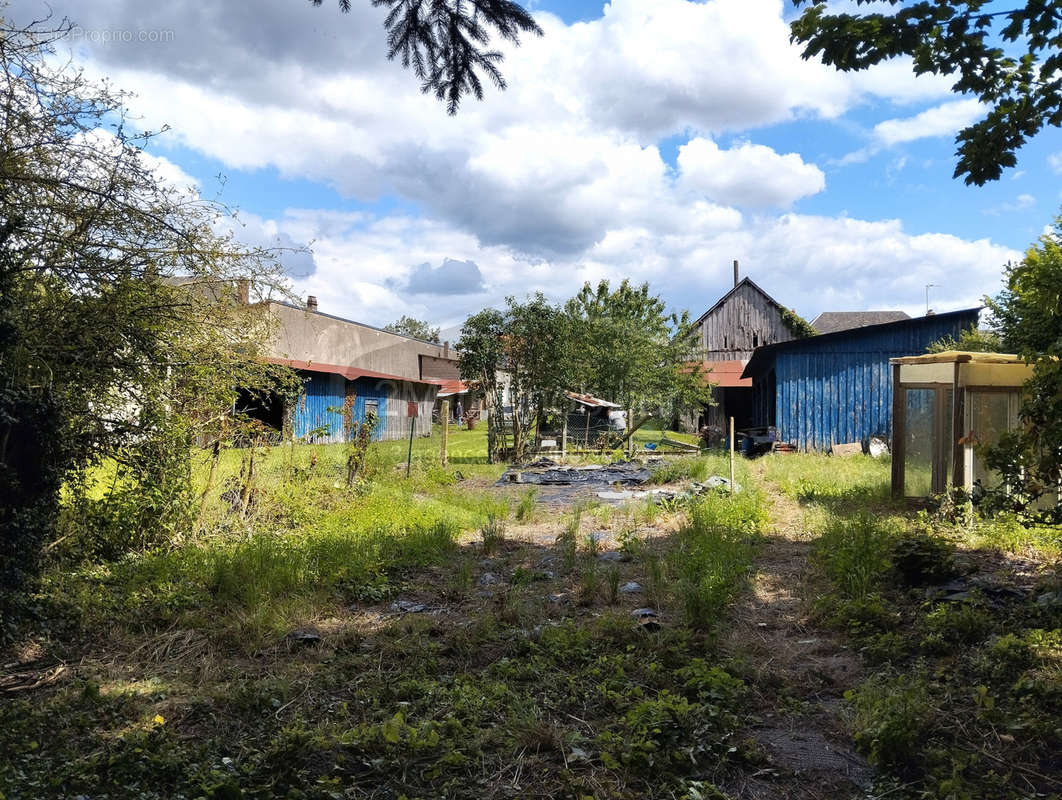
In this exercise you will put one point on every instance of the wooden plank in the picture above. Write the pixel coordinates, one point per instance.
(899, 431)
(958, 417)
(847, 449)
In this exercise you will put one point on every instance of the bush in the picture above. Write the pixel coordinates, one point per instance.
(921, 559)
(892, 717)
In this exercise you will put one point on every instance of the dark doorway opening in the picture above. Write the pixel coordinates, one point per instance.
(267, 408)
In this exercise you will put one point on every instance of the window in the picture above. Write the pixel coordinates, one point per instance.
(755, 341)
(373, 406)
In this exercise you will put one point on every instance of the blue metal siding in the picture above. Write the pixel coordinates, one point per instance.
(322, 391)
(839, 389)
(372, 389)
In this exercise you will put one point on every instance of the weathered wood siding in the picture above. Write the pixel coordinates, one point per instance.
(743, 321)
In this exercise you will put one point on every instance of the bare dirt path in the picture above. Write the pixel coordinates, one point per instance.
(800, 673)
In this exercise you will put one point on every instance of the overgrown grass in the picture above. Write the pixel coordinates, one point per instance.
(715, 552)
(948, 670)
(832, 481)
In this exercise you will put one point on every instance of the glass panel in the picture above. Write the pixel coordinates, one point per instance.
(989, 417)
(918, 442)
(946, 436)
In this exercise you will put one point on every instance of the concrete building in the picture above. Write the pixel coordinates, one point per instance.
(350, 368)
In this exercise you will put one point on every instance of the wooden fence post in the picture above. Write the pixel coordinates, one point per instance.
(564, 436)
(731, 455)
(445, 428)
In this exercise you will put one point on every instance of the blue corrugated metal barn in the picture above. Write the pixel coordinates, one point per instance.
(836, 387)
(334, 396)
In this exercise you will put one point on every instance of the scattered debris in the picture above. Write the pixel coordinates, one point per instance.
(304, 638)
(630, 587)
(612, 556)
(408, 607)
(847, 449)
(488, 579)
(878, 446)
(644, 613)
(547, 472)
(964, 589)
(27, 681)
(719, 482)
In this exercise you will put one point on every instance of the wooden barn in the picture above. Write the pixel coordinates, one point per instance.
(836, 387)
(741, 320)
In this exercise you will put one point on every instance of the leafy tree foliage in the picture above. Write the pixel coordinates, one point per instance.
(1006, 55)
(104, 354)
(632, 352)
(481, 360)
(971, 340)
(445, 42)
(1028, 313)
(418, 329)
(539, 356)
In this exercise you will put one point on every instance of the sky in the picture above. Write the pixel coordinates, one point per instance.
(656, 140)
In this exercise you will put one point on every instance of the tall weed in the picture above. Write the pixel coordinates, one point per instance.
(855, 553)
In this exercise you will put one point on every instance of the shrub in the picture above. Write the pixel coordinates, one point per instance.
(892, 717)
(921, 559)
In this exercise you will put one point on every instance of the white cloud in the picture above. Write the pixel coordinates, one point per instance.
(747, 175)
(811, 263)
(1054, 161)
(557, 180)
(942, 120)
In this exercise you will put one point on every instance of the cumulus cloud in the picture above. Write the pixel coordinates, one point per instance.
(449, 278)
(945, 119)
(556, 181)
(748, 175)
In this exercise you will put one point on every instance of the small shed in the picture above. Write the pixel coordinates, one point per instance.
(835, 387)
(945, 407)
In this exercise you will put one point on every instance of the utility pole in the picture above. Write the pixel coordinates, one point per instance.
(928, 285)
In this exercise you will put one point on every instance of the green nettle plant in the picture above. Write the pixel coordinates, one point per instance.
(124, 331)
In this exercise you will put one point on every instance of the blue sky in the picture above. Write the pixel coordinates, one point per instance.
(658, 141)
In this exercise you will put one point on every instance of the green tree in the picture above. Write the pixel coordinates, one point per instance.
(104, 354)
(1028, 313)
(1007, 57)
(632, 352)
(418, 329)
(445, 42)
(971, 340)
(481, 360)
(539, 347)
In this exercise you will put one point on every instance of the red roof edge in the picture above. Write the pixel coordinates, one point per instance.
(350, 373)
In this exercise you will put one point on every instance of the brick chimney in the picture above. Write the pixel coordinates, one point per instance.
(311, 303)
(446, 349)
(243, 290)
(735, 272)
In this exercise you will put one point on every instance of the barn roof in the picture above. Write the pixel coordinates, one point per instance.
(349, 372)
(737, 286)
(763, 356)
(833, 321)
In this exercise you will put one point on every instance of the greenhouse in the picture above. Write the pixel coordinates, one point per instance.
(946, 408)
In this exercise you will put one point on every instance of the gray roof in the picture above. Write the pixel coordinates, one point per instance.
(833, 321)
